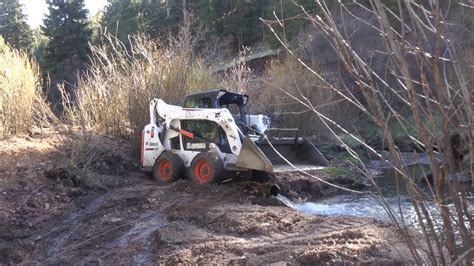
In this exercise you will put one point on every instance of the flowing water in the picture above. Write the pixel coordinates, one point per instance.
(369, 206)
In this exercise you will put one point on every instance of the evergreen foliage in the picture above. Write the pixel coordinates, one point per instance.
(240, 19)
(13, 26)
(123, 18)
(290, 14)
(236, 20)
(68, 33)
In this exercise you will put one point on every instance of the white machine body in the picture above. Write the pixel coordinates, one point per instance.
(205, 126)
(165, 133)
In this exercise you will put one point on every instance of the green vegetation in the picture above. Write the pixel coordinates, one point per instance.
(13, 26)
(67, 30)
(336, 171)
(61, 44)
(226, 18)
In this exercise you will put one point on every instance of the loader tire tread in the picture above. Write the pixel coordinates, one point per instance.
(168, 168)
(206, 168)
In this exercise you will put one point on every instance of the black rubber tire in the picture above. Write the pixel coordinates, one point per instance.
(168, 168)
(206, 168)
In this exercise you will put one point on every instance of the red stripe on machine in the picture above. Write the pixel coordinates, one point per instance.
(186, 133)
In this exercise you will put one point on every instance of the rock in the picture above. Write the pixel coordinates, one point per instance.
(34, 131)
(52, 173)
(74, 192)
(279, 263)
(65, 175)
(115, 220)
(67, 182)
(265, 201)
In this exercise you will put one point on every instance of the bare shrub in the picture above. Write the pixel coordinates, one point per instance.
(80, 162)
(289, 76)
(113, 97)
(419, 46)
(91, 160)
(238, 78)
(21, 100)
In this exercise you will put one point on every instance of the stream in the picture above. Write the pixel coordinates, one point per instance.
(369, 206)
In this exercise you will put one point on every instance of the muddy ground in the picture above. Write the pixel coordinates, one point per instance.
(65, 199)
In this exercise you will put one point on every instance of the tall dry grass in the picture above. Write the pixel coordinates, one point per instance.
(287, 75)
(239, 77)
(113, 97)
(21, 100)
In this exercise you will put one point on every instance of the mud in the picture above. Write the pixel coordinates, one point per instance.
(303, 187)
(127, 219)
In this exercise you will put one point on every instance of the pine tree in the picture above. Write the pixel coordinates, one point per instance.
(68, 33)
(240, 19)
(13, 26)
(129, 17)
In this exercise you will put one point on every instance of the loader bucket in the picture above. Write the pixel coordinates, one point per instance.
(298, 151)
(251, 157)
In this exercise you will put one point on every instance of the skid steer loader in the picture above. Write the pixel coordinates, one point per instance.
(212, 136)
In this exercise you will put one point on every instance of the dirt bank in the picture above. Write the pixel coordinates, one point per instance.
(116, 214)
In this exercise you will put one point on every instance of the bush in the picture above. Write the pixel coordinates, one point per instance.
(21, 102)
(113, 97)
(286, 79)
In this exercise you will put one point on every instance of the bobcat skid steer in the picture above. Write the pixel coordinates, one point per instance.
(212, 136)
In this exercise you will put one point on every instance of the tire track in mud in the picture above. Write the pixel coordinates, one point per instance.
(138, 239)
(138, 223)
(119, 223)
(182, 223)
(315, 233)
(80, 229)
(63, 231)
(347, 233)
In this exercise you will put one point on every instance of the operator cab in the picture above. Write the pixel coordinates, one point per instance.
(234, 102)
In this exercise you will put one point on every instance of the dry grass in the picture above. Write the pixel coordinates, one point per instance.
(21, 102)
(239, 77)
(113, 97)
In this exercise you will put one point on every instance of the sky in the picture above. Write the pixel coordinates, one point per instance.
(35, 9)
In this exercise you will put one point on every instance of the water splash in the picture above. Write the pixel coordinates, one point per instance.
(286, 201)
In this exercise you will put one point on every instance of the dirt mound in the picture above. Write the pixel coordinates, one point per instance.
(302, 187)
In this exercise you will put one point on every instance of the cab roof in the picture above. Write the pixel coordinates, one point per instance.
(223, 96)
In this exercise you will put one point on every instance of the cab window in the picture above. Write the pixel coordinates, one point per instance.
(234, 109)
(207, 131)
(198, 103)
